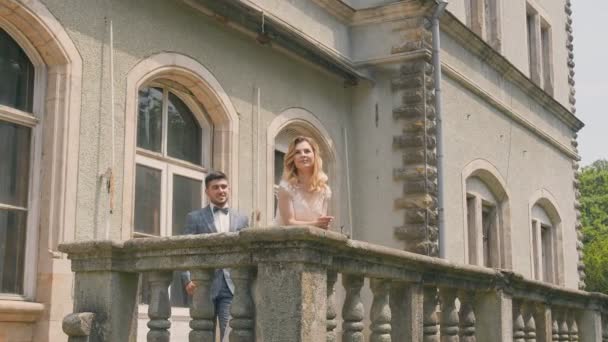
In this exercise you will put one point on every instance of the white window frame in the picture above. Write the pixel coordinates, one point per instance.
(169, 166)
(476, 246)
(34, 121)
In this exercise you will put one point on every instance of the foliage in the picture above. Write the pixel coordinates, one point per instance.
(594, 210)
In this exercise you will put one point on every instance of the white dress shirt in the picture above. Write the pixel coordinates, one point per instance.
(221, 220)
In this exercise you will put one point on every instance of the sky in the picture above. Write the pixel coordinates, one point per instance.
(591, 58)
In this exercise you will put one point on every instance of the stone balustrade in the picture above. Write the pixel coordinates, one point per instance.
(286, 280)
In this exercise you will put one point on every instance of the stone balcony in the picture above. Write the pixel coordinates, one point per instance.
(286, 285)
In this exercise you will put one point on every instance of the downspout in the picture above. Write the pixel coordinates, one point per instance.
(439, 10)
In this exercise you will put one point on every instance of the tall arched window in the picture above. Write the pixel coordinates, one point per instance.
(487, 216)
(173, 154)
(283, 129)
(18, 127)
(546, 241)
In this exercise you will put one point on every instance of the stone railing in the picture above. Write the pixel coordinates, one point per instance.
(286, 285)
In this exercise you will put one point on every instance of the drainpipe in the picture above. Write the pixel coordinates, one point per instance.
(439, 10)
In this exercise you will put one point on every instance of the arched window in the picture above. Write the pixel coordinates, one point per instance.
(483, 223)
(172, 158)
(545, 225)
(283, 129)
(18, 128)
(487, 221)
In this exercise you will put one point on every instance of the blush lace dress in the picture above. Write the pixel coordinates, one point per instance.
(307, 206)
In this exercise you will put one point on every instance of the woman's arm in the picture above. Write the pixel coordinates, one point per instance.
(288, 215)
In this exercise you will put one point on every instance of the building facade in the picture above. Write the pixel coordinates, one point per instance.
(112, 112)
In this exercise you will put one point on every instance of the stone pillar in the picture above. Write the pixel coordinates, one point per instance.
(406, 301)
(353, 311)
(242, 308)
(591, 326)
(605, 328)
(575, 165)
(112, 297)
(202, 310)
(494, 316)
(293, 296)
(380, 313)
(414, 95)
(543, 322)
(159, 309)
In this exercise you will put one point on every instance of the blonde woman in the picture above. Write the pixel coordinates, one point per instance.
(303, 191)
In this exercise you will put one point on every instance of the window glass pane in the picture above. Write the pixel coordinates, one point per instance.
(17, 75)
(14, 164)
(184, 132)
(147, 200)
(149, 119)
(12, 250)
(187, 194)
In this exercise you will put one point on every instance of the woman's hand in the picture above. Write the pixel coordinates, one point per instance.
(323, 222)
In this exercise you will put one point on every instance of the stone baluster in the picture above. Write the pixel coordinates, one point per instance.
(380, 313)
(529, 322)
(554, 327)
(518, 323)
(353, 310)
(242, 309)
(564, 333)
(449, 316)
(202, 310)
(159, 310)
(332, 277)
(467, 317)
(573, 329)
(430, 319)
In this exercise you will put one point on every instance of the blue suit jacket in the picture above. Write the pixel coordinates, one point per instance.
(201, 222)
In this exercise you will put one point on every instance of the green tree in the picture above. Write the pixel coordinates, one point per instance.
(594, 202)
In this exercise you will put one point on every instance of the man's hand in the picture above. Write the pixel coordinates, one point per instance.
(190, 288)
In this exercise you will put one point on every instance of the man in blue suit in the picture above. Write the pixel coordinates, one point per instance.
(217, 217)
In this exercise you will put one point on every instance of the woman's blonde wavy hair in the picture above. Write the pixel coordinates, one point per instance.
(290, 173)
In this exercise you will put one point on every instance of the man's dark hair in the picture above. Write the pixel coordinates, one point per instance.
(214, 175)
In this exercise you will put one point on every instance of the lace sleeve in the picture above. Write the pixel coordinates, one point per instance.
(285, 187)
(327, 192)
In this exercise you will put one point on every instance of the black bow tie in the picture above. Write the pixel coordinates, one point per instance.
(224, 210)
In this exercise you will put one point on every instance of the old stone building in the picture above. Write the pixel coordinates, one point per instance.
(112, 112)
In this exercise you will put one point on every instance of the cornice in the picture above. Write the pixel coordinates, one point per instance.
(377, 14)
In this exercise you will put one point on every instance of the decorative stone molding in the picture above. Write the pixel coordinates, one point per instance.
(306, 123)
(414, 93)
(207, 90)
(575, 165)
(20, 311)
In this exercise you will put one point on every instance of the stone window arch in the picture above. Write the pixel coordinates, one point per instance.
(486, 216)
(49, 121)
(546, 243)
(200, 93)
(286, 126)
